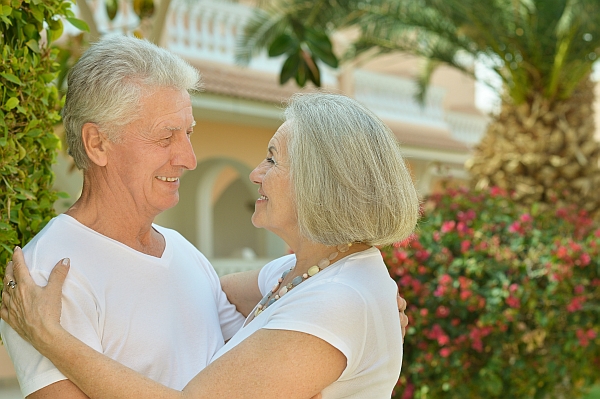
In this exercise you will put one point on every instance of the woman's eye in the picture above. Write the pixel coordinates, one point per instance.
(270, 160)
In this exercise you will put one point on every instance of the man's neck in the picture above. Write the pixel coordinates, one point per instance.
(117, 218)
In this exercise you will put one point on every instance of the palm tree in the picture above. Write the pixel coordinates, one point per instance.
(540, 145)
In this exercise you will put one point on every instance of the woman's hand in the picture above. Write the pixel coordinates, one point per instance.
(32, 311)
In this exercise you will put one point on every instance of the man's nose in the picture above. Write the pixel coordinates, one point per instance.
(184, 154)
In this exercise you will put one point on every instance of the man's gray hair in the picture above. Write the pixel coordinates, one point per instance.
(350, 181)
(106, 84)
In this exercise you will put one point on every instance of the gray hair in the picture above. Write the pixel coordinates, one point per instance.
(106, 84)
(350, 181)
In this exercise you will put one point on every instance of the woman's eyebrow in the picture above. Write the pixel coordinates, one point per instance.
(272, 149)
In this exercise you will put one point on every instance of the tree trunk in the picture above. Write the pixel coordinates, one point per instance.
(543, 151)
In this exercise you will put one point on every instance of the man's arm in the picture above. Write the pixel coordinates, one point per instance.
(242, 290)
(64, 389)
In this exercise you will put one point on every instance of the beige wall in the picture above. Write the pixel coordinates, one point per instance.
(7, 371)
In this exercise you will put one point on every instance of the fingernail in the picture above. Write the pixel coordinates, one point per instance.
(17, 248)
(66, 261)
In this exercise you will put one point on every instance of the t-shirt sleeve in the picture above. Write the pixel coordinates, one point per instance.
(333, 312)
(79, 316)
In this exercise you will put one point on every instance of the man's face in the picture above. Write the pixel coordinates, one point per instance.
(153, 152)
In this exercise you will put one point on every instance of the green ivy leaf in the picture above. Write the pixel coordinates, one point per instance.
(79, 24)
(11, 77)
(6, 10)
(37, 13)
(33, 45)
(11, 103)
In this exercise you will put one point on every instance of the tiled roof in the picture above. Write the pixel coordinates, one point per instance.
(250, 84)
(426, 137)
(245, 83)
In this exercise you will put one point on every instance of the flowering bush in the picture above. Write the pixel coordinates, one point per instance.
(503, 303)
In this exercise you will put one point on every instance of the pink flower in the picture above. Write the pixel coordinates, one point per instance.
(513, 287)
(515, 227)
(525, 218)
(582, 337)
(439, 291)
(442, 311)
(421, 269)
(436, 236)
(445, 352)
(497, 191)
(409, 391)
(422, 255)
(424, 312)
(466, 294)
(462, 227)
(466, 216)
(584, 259)
(465, 245)
(513, 302)
(464, 282)
(579, 289)
(575, 305)
(562, 252)
(448, 226)
(443, 339)
(477, 345)
(445, 279)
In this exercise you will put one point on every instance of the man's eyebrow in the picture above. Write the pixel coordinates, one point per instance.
(176, 128)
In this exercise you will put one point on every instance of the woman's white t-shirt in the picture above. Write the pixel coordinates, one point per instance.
(352, 306)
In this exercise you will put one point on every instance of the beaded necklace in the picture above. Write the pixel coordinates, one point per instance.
(276, 292)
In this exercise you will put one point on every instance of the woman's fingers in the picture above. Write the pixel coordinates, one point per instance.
(403, 323)
(58, 275)
(401, 303)
(403, 316)
(19, 272)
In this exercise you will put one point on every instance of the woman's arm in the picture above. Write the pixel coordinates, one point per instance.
(242, 290)
(270, 363)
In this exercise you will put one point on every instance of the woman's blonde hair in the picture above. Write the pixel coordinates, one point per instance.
(350, 181)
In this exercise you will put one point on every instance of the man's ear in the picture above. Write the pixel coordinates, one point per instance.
(95, 143)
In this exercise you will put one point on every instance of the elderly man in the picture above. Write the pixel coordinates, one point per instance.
(137, 292)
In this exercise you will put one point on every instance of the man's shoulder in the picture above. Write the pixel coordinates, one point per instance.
(51, 234)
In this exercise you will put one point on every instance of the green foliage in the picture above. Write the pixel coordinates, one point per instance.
(503, 302)
(535, 46)
(289, 35)
(29, 110)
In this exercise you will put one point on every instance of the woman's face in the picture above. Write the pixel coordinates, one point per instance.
(275, 209)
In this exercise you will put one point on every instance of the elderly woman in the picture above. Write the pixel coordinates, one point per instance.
(333, 185)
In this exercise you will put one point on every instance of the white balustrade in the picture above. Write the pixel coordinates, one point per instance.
(209, 30)
(393, 97)
(468, 128)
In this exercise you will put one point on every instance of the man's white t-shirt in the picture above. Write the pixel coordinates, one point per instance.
(352, 306)
(163, 317)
